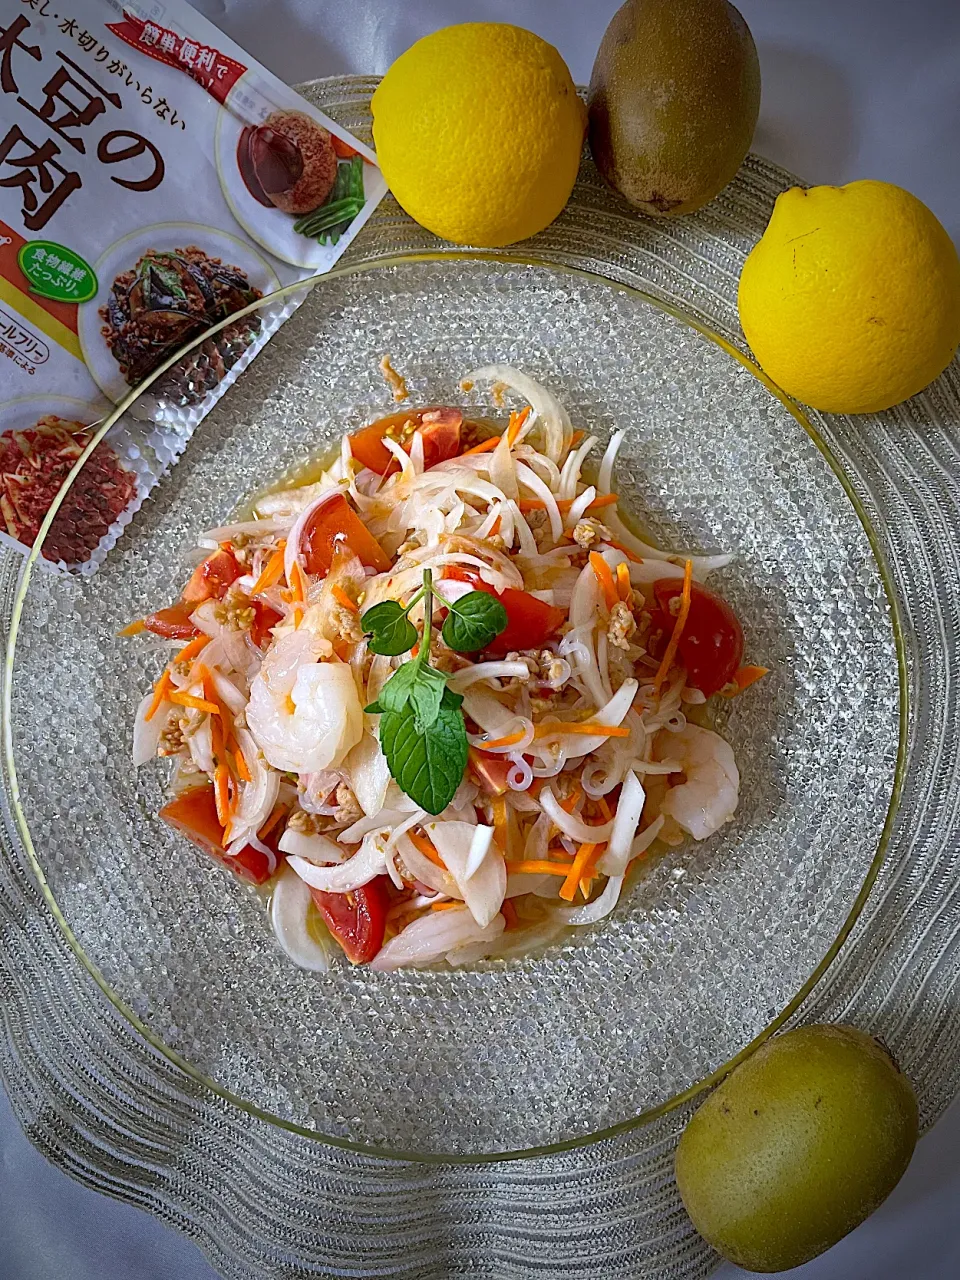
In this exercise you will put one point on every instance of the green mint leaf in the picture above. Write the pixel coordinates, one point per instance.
(474, 621)
(395, 694)
(390, 630)
(374, 709)
(450, 700)
(428, 767)
(426, 697)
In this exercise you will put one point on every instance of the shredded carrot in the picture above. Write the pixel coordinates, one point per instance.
(605, 578)
(485, 446)
(516, 424)
(278, 811)
(133, 628)
(271, 573)
(604, 808)
(624, 589)
(243, 771)
(444, 906)
(509, 913)
(508, 741)
(671, 650)
(631, 555)
(495, 527)
(221, 792)
(160, 691)
(570, 803)
(605, 500)
(588, 727)
(568, 890)
(426, 848)
(743, 679)
(190, 700)
(341, 597)
(499, 807)
(298, 587)
(297, 615)
(576, 438)
(538, 867)
(590, 871)
(196, 645)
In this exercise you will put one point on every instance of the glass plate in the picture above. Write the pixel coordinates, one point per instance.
(711, 948)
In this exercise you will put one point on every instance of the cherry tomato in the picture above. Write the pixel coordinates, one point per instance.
(711, 647)
(211, 578)
(439, 428)
(173, 623)
(489, 770)
(530, 622)
(194, 814)
(356, 919)
(264, 619)
(335, 523)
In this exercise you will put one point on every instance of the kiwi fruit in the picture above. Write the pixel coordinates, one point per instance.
(673, 104)
(797, 1146)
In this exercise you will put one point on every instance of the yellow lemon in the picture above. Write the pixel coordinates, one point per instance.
(478, 130)
(851, 298)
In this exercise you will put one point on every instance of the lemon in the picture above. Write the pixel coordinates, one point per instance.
(851, 298)
(478, 130)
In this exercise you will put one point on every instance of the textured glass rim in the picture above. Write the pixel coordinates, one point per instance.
(651, 1113)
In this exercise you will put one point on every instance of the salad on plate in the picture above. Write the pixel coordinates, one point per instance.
(442, 700)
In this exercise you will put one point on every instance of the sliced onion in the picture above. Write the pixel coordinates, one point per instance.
(425, 871)
(147, 733)
(629, 808)
(385, 820)
(553, 423)
(570, 475)
(570, 824)
(605, 474)
(461, 680)
(228, 693)
(594, 911)
(288, 916)
(530, 480)
(258, 796)
(612, 713)
(367, 863)
(247, 528)
(200, 743)
(579, 506)
(474, 863)
(314, 848)
(433, 936)
(368, 774)
(503, 468)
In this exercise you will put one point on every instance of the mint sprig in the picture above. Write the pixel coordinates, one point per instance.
(422, 730)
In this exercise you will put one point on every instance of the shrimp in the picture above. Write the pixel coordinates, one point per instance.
(707, 798)
(304, 714)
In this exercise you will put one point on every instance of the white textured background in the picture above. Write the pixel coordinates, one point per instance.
(851, 89)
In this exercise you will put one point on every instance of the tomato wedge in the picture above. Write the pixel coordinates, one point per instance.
(264, 620)
(356, 919)
(335, 523)
(194, 814)
(211, 578)
(530, 622)
(173, 623)
(489, 770)
(711, 646)
(438, 426)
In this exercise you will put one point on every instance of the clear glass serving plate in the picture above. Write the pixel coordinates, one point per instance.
(239, 1065)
